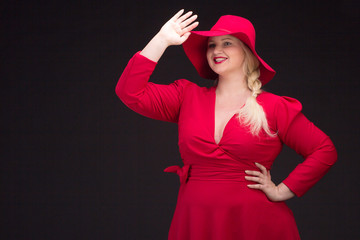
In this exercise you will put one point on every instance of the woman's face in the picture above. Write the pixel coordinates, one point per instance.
(225, 55)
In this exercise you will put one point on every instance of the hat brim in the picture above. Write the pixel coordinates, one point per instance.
(195, 48)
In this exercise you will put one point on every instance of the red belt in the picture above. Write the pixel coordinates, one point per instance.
(210, 173)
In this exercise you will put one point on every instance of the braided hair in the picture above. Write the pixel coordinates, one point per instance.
(252, 113)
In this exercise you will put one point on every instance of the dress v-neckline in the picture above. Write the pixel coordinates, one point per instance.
(214, 117)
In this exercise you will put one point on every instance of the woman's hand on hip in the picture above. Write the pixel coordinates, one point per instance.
(263, 182)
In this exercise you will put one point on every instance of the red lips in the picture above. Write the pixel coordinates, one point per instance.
(218, 60)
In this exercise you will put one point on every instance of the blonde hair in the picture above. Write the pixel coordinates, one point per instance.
(252, 113)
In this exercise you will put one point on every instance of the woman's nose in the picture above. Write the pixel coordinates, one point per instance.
(217, 49)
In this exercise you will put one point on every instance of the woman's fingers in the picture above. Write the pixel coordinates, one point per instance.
(255, 186)
(183, 17)
(256, 176)
(262, 168)
(186, 24)
(177, 15)
(255, 173)
(255, 179)
(188, 21)
(186, 31)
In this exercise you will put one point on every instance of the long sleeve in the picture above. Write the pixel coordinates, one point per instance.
(296, 131)
(161, 102)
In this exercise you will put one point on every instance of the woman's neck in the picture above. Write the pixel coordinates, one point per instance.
(232, 86)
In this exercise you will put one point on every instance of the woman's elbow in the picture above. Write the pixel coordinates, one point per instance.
(331, 152)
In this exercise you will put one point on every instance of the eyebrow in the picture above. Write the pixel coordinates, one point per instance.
(222, 39)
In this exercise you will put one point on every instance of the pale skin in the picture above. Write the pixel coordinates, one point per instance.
(224, 56)
(231, 91)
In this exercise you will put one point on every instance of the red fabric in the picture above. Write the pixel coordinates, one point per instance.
(195, 46)
(214, 202)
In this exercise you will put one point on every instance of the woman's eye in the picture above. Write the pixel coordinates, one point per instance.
(211, 45)
(227, 43)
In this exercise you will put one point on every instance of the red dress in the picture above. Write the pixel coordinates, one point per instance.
(214, 202)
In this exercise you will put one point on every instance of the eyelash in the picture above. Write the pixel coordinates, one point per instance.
(212, 45)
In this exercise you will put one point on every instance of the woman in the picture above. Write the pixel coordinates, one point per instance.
(229, 134)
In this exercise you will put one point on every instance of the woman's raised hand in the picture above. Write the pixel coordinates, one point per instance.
(177, 29)
(174, 32)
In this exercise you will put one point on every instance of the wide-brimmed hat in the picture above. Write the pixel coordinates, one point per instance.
(196, 45)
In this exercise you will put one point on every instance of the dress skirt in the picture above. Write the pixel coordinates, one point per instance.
(229, 210)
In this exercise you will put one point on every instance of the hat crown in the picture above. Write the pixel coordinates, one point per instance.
(235, 24)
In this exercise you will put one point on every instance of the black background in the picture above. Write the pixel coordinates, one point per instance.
(77, 164)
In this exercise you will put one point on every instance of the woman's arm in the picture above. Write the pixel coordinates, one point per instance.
(296, 131)
(157, 101)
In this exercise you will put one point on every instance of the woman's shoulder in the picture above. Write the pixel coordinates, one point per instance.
(190, 86)
(268, 97)
(271, 98)
(268, 100)
(274, 103)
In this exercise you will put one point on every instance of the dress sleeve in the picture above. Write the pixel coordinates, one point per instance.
(296, 131)
(161, 102)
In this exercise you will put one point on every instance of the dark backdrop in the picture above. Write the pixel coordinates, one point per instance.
(77, 164)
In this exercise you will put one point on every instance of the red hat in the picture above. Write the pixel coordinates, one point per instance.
(196, 45)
